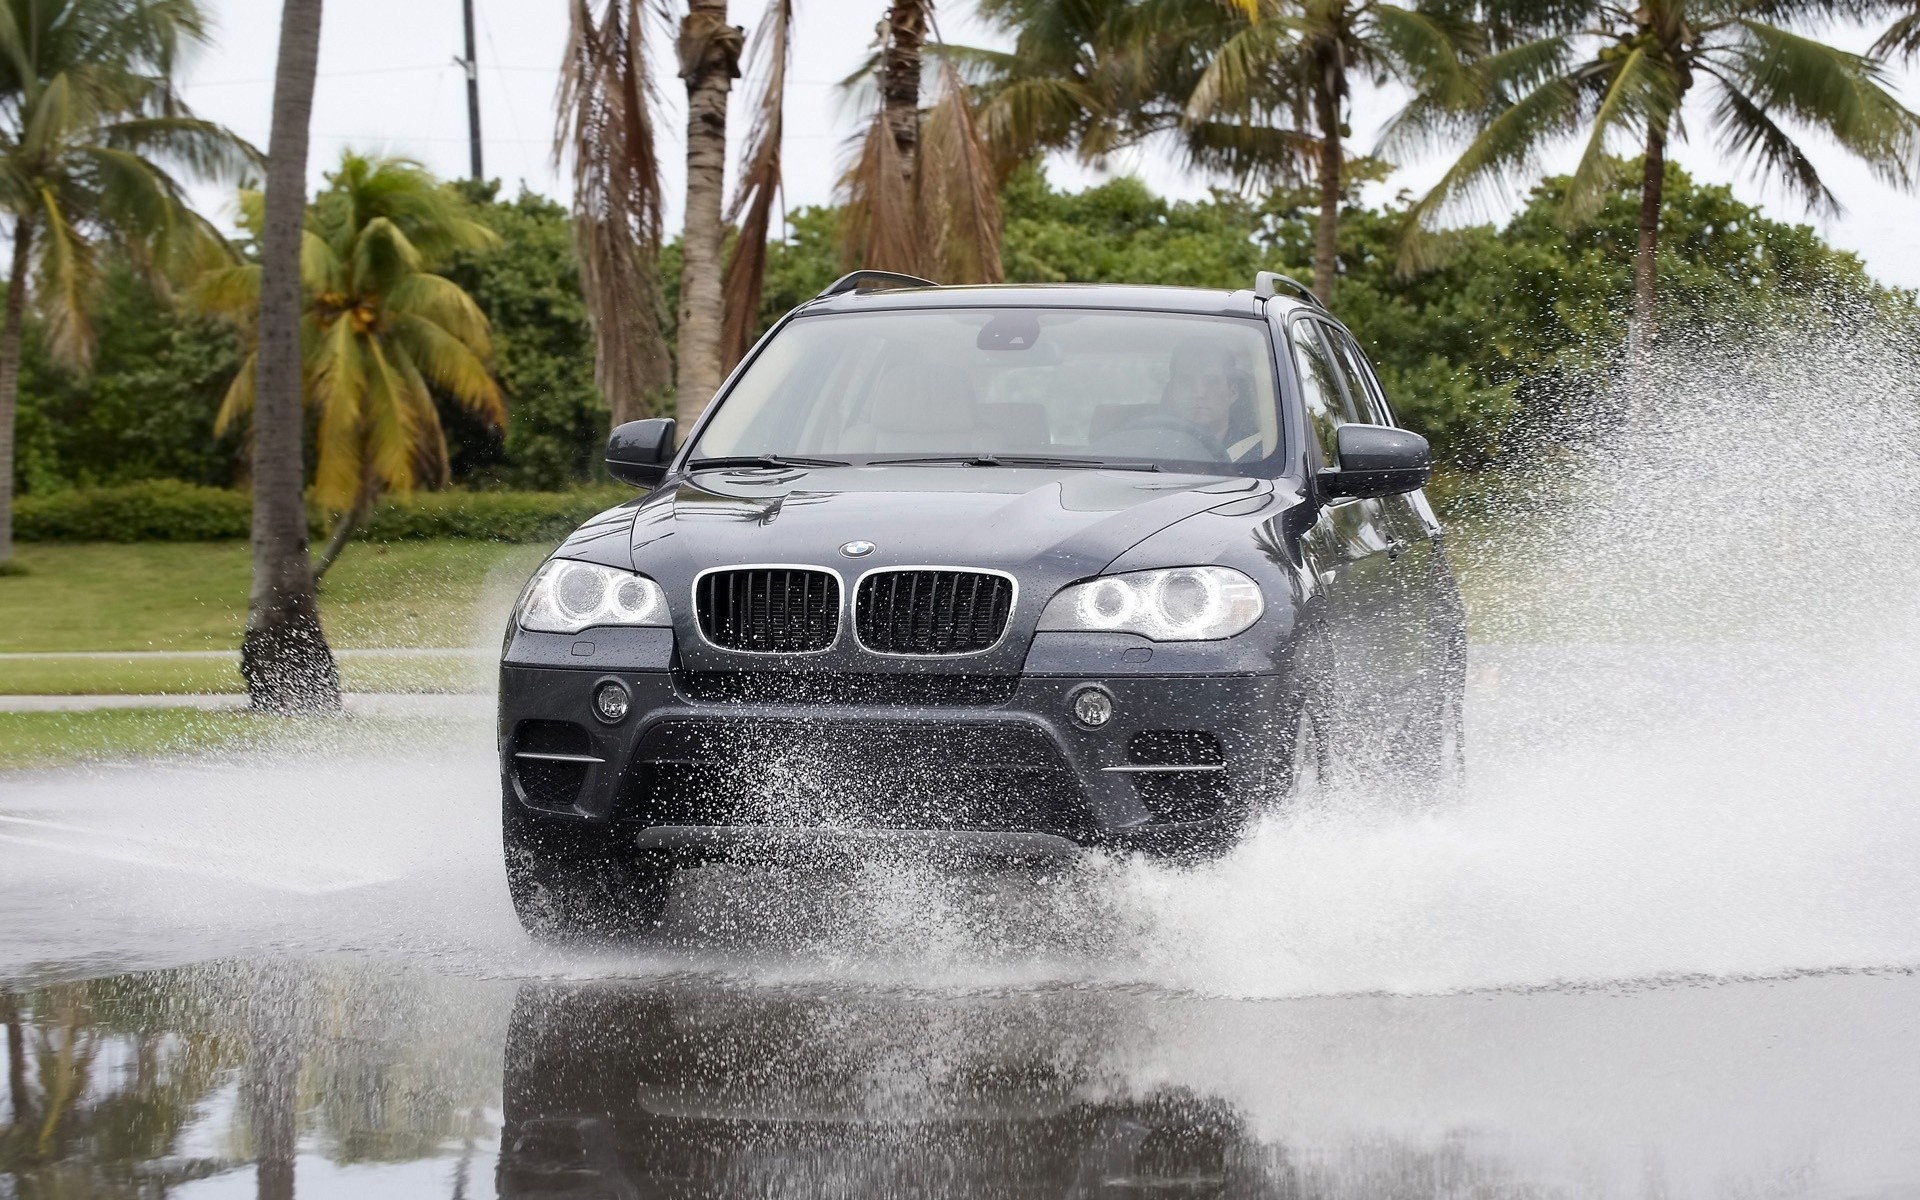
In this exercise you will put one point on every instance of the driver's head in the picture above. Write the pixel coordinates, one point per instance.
(1200, 385)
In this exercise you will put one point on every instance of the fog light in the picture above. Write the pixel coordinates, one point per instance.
(611, 701)
(1092, 707)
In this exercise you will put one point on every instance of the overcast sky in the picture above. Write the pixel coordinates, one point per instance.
(388, 83)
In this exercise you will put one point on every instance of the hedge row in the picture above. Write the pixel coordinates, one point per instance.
(165, 510)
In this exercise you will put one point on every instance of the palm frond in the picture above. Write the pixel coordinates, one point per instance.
(1843, 95)
(429, 462)
(440, 300)
(1266, 154)
(451, 365)
(1748, 133)
(231, 292)
(382, 256)
(880, 231)
(1641, 93)
(338, 389)
(391, 432)
(1901, 40)
(205, 148)
(237, 401)
(606, 129)
(759, 188)
(959, 195)
(1434, 50)
(69, 277)
(1241, 68)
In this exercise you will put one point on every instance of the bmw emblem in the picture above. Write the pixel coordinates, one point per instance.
(857, 549)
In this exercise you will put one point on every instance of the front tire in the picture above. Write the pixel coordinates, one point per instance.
(569, 883)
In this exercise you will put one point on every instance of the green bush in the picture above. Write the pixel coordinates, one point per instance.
(155, 510)
(493, 516)
(165, 510)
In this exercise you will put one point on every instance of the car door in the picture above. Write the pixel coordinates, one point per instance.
(1347, 549)
(1408, 624)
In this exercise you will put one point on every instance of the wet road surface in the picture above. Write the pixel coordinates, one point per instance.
(1661, 950)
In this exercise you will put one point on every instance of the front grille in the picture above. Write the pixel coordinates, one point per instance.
(932, 612)
(840, 687)
(769, 610)
(852, 774)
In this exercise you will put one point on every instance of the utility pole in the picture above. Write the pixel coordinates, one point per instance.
(472, 66)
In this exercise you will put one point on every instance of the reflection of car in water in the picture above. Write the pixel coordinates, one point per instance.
(613, 1090)
(1015, 571)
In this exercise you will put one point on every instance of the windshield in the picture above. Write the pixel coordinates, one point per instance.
(1181, 392)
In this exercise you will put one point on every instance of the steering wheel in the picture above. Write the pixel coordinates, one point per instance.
(1173, 431)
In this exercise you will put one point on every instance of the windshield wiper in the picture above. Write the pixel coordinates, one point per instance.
(1016, 460)
(763, 460)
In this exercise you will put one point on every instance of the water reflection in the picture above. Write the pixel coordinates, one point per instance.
(700, 1090)
(333, 1076)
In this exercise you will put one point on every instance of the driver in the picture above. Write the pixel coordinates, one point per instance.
(1203, 390)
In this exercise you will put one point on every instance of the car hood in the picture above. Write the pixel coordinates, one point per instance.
(963, 516)
(1045, 527)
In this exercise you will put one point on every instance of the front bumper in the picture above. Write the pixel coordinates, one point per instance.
(994, 766)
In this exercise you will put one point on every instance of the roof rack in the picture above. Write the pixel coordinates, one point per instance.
(1266, 285)
(851, 280)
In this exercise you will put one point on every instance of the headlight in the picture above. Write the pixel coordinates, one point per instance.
(567, 596)
(1185, 604)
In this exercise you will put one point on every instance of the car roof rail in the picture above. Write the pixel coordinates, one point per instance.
(851, 281)
(1267, 284)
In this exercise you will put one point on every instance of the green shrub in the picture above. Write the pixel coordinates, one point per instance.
(156, 510)
(165, 510)
(494, 516)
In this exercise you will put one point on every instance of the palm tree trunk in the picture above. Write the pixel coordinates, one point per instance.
(344, 528)
(906, 33)
(19, 1103)
(284, 657)
(272, 1078)
(709, 62)
(10, 375)
(1653, 181)
(1326, 105)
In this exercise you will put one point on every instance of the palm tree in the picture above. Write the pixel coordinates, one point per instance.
(1284, 76)
(606, 127)
(381, 333)
(284, 656)
(88, 115)
(709, 62)
(923, 194)
(1082, 75)
(1624, 74)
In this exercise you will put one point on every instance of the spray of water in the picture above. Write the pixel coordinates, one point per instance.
(1691, 708)
(1690, 716)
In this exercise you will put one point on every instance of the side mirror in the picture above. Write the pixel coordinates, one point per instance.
(1377, 460)
(638, 452)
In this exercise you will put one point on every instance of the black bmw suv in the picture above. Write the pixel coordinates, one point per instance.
(1014, 571)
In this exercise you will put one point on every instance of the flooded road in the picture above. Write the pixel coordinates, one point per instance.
(1600, 974)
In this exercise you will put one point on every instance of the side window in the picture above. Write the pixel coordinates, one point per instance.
(1327, 406)
(1362, 385)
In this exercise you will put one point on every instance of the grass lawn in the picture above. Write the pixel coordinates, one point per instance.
(47, 739)
(53, 739)
(193, 596)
